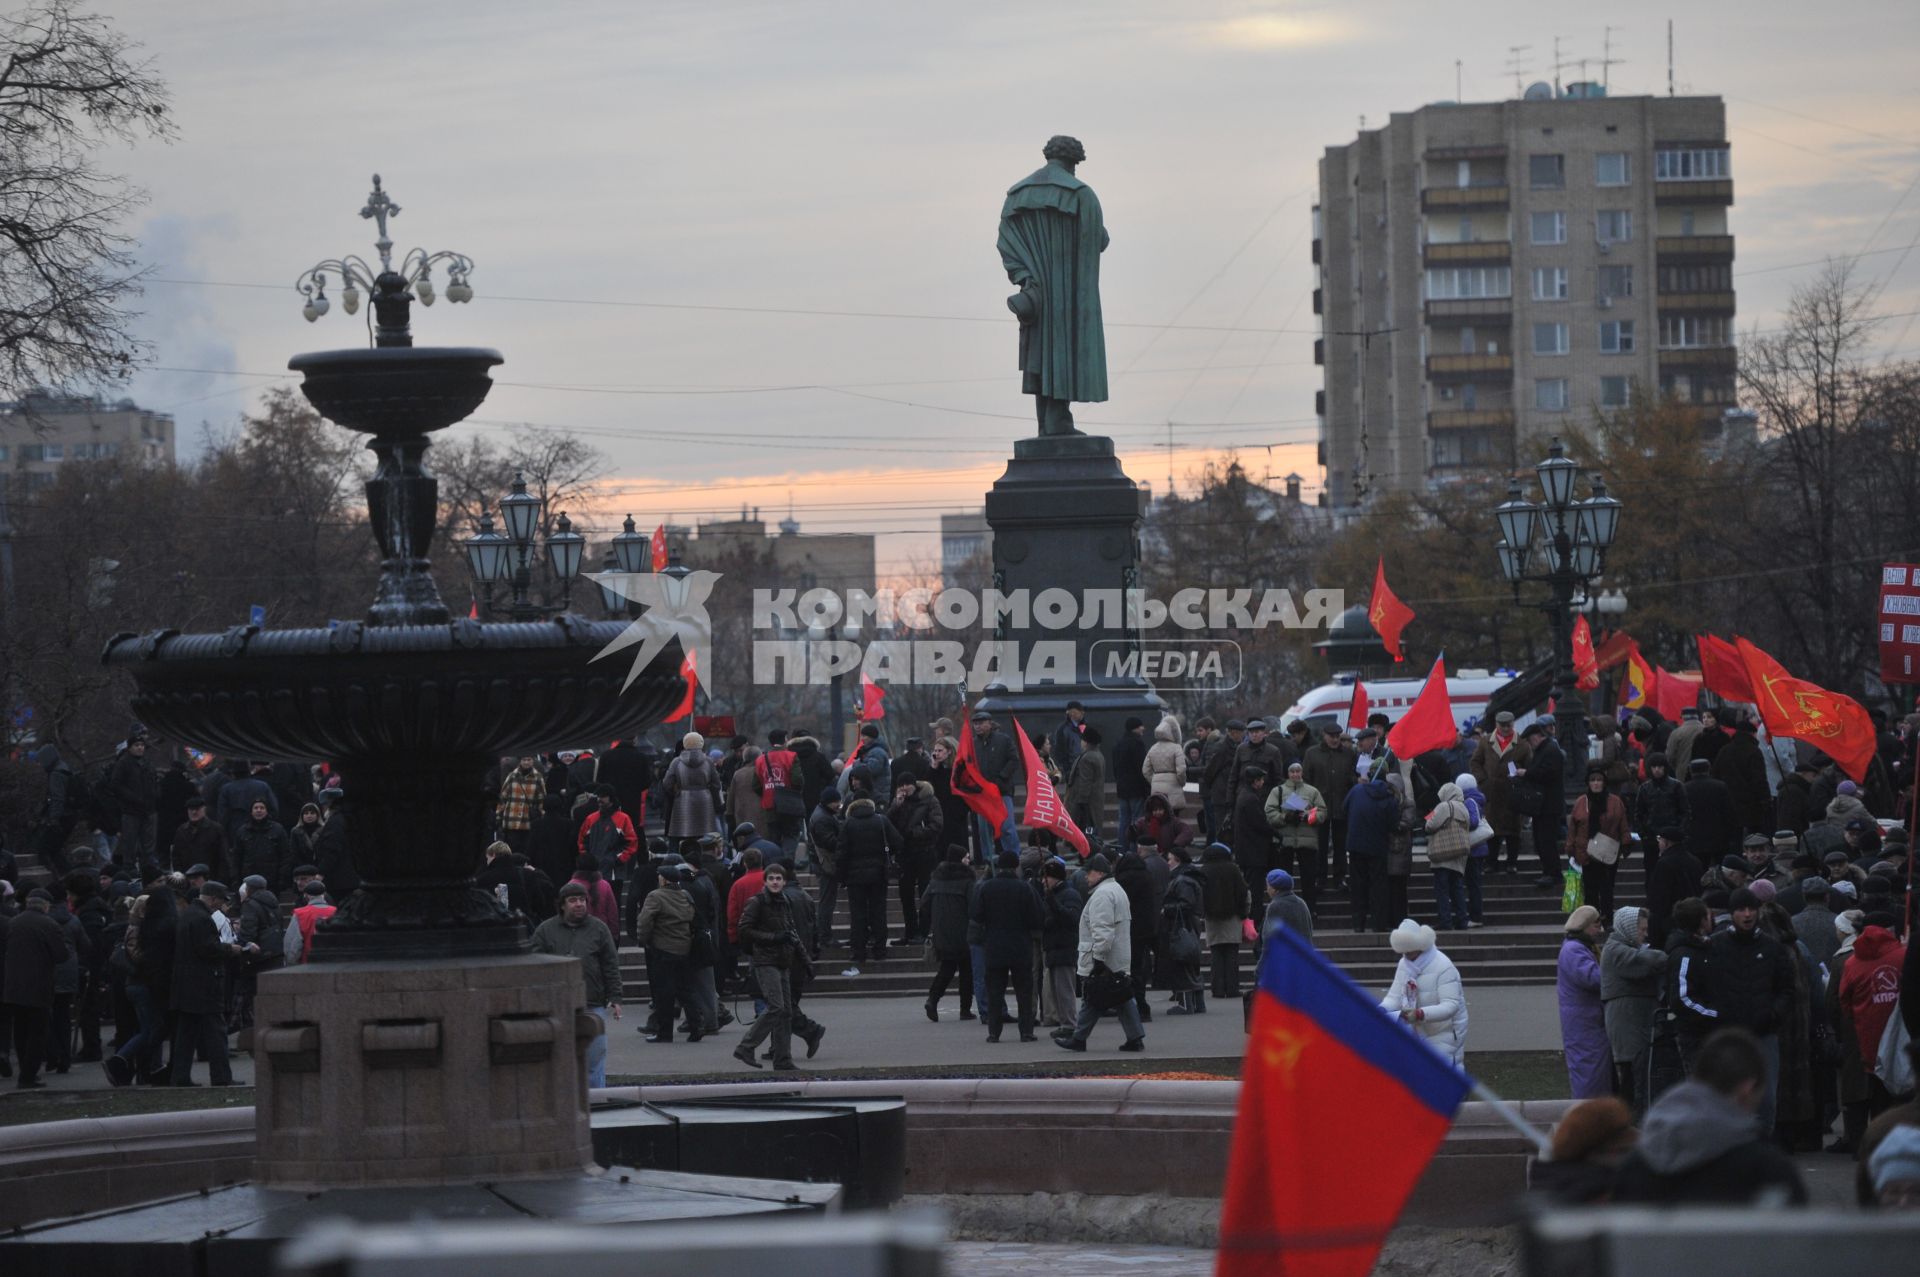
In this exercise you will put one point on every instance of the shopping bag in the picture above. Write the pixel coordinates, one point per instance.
(1571, 894)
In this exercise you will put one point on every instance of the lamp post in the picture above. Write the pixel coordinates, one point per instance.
(1561, 543)
(631, 552)
(507, 559)
(390, 289)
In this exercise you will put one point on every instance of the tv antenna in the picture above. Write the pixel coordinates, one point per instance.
(1669, 57)
(1607, 60)
(1517, 66)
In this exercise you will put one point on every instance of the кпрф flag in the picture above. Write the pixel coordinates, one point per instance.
(1341, 1109)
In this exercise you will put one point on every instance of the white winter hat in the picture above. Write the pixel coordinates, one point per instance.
(1466, 781)
(1411, 937)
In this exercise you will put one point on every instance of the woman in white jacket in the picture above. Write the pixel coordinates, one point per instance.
(1165, 768)
(1426, 994)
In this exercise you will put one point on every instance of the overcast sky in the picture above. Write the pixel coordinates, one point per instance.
(807, 157)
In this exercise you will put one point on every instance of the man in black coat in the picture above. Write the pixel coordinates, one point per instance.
(199, 971)
(917, 817)
(1008, 913)
(868, 843)
(1216, 777)
(998, 759)
(134, 792)
(35, 947)
(260, 848)
(629, 773)
(1129, 775)
(1712, 830)
(1744, 770)
(1753, 987)
(1546, 771)
(200, 840)
(1675, 876)
(1146, 891)
(1252, 840)
(1659, 803)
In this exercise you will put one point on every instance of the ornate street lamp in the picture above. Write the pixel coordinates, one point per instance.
(632, 550)
(1575, 536)
(389, 288)
(508, 559)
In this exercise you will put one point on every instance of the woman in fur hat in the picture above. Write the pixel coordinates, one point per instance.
(1426, 994)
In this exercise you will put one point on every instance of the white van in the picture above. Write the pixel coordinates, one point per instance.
(1467, 689)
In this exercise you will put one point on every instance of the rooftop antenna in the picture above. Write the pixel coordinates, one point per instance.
(1607, 60)
(1557, 64)
(1458, 96)
(1169, 460)
(1517, 65)
(1669, 57)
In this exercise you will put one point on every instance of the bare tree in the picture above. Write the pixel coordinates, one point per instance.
(68, 83)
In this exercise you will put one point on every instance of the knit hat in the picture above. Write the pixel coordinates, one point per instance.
(1763, 890)
(1743, 898)
(1589, 1127)
(572, 889)
(1897, 1160)
(1847, 922)
(1098, 863)
(1734, 864)
(1582, 918)
(1845, 888)
(693, 740)
(1411, 937)
(1698, 765)
(1466, 781)
(1672, 833)
(315, 888)
(1006, 860)
(40, 895)
(1848, 788)
(1280, 880)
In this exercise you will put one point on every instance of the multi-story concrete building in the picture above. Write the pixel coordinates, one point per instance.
(1489, 272)
(45, 431)
(837, 561)
(966, 549)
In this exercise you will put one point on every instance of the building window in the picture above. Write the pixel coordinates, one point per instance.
(1549, 283)
(3, 452)
(1549, 228)
(1456, 283)
(1550, 394)
(1613, 281)
(33, 452)
(1613, 225)
(1546, 172)
(1693, 332)
(1698, 388)
(1715, 277)
(1612, 168)
(1616, 337)
(1549, 339)
(1691, 164)
(1615, 391)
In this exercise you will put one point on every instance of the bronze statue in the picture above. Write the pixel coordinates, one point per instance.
(1051, 238)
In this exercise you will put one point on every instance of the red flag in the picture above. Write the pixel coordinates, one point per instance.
(473, 609)
(975, 790)
(1673, 692)
(1586, 666)
(1341, 1109)
(873, 699)
(1722, 670)
(1428, 722)
(1044, 810)
(1387, 614)
(1795, 708)
(659, 547)
(1357, 712)
(685, 707)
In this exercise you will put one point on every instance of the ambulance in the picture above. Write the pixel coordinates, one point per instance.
(1467, 689)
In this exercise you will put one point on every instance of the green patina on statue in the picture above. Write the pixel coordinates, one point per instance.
(1051, 238)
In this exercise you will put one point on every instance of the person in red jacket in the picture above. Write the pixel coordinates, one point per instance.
(752, 879)
(1869, 996)
(607, 835)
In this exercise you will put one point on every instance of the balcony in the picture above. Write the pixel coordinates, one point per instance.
(1699, 359)
(1481, 251)
(1316, 250)
(1483, 419)
(1696, 303)
(1713, 190)
(1454, 199)
(1320, 403)
(1319, 301)
(1470, 367)
(1471, 310)
(1694, 248)
(1484, 151)
(1320, 352)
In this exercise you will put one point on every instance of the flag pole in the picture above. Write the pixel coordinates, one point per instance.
(1506, 1113)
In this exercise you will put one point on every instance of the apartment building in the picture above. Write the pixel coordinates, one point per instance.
(44, 431)
(1489, 272)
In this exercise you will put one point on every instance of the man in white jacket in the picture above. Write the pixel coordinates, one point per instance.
(1106, 945)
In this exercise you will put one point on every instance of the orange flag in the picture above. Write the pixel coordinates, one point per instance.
(685, 707)
(658, 547)
(1636, 681)
(1795, 708)
(1722, 670)
(1586, 666)
(1387, 614)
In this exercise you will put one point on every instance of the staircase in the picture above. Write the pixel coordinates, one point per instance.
(1519, 945)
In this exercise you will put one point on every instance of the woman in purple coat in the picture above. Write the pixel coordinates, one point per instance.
(1583, 1021)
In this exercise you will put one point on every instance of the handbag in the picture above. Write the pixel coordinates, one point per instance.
(1183, 943)
(1249, 934)
(1894, 1062)
(1482, 834)
(1604, 848)
(1106, 989)
(1528, 800)
(789, 803)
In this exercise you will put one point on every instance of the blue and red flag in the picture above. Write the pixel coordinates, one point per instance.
(1341, 1109)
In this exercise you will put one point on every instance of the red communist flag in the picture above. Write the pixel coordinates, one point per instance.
(685, 707)
(659, 547)
(1673, 692)
(1722, 670)
(1586, 666)
(1795, 708)
(1428, 722)
(1341, 1109)
(974, 789)
(873, 699)
(1357, 711)
(1387, 614)
(1044, 809)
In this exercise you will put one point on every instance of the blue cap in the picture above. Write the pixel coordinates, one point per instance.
(1280, 880)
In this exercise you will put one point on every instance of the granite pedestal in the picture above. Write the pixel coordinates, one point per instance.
(1065, 516)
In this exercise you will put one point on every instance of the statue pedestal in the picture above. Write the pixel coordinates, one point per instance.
(421, 1072)
(1065, 516)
